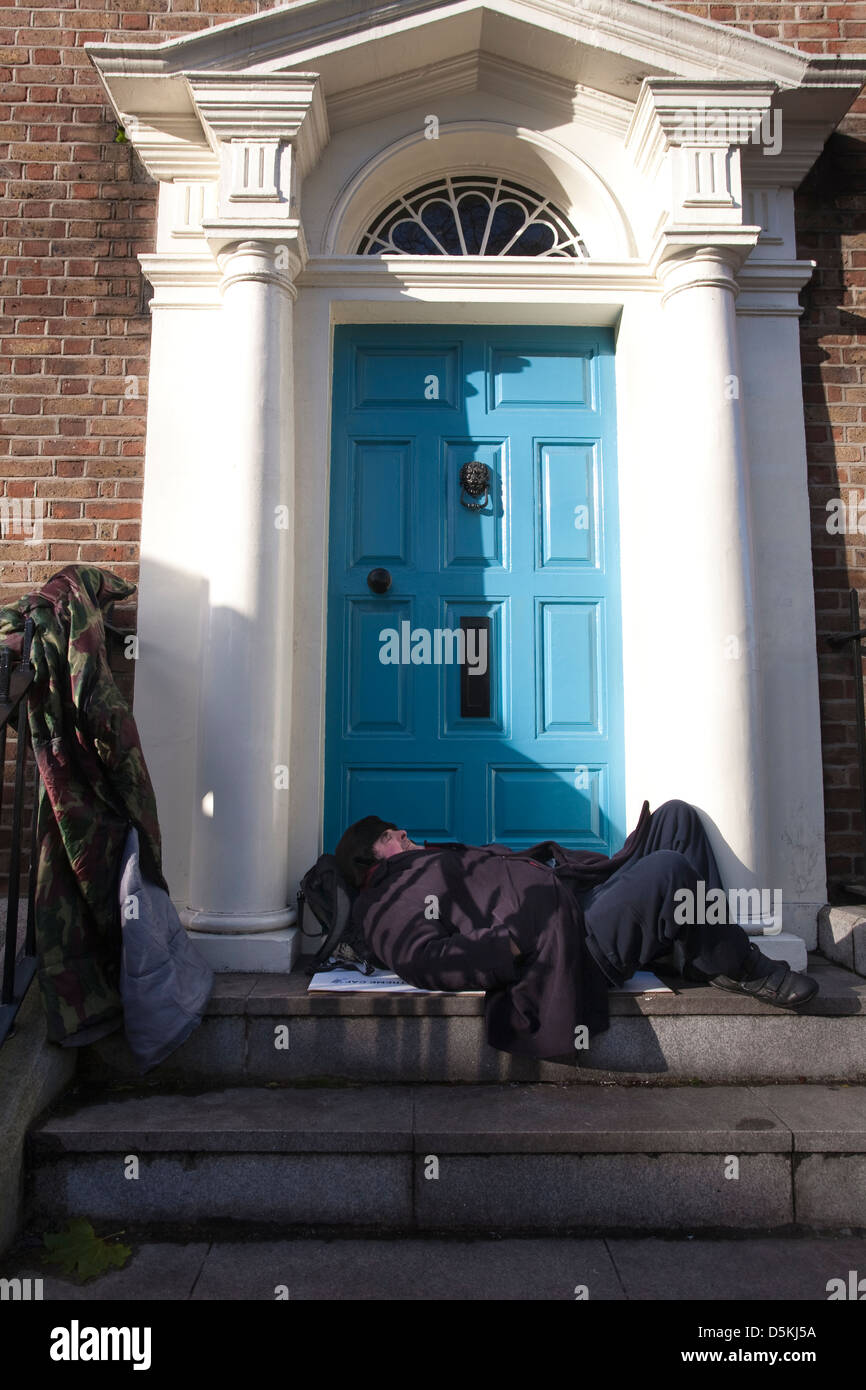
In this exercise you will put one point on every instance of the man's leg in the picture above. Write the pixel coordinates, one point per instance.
(632, 919)
(677, 826)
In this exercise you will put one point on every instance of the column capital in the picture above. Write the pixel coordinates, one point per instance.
(283, 234)
(687, 139)
(672, 113)
(706, 267)
(685, 256)
(267, 132)
(263, 108)
(266, 261)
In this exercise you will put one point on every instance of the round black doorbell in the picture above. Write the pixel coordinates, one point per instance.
(379, 581)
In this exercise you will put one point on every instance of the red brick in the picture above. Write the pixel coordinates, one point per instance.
(112, 511)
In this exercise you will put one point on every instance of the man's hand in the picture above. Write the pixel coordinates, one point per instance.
(516, 948)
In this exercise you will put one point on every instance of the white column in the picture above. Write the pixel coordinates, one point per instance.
(239, 876)
(770, 350)
(708, 663)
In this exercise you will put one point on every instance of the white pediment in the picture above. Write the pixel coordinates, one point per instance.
(371, 58)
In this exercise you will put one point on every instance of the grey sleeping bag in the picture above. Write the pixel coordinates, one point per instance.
(165, 982)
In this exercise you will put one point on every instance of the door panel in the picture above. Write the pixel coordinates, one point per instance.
(378, 697)
(558, 378)
(539, 560)
(475, 540)
(386, 376)
(567, 505)
(531, 804)
(453, 724)
(425, 797)
(568, 666)
(380, 535)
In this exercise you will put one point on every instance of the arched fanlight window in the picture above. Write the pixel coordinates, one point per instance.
(472, 215)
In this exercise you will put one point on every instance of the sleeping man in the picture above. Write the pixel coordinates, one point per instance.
(546, 931)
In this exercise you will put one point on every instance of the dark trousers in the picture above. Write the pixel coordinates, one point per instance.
(630, 918)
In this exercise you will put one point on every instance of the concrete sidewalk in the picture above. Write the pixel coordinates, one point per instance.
(622, 1269)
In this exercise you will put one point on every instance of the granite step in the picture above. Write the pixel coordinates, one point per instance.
(263, 1028)
(510, 1158)
(775, 1270)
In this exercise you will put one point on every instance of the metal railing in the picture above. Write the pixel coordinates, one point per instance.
(18, 971)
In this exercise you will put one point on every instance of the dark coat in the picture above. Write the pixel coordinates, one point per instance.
(483, 896)
(93, 785)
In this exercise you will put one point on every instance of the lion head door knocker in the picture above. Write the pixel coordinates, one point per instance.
(475, 482)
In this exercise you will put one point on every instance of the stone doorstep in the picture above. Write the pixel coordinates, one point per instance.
(693, 1033)
(507, 1158)
(841, 993)
(485, 1119)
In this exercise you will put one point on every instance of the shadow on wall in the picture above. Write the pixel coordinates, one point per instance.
(831, 226)
(172, 613)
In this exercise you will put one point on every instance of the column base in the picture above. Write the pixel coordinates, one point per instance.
(770, 925)
(249, 953)
(784, 946)
(235, 923)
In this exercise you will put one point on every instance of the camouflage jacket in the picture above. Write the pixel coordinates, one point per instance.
(94, 784)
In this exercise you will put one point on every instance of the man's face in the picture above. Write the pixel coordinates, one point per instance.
(391, 842)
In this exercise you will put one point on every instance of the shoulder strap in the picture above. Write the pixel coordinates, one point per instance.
(301, 899)
(342, 913)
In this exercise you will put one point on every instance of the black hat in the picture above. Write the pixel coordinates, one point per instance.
(354, 853)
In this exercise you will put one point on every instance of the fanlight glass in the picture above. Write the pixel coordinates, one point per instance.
(472, 216)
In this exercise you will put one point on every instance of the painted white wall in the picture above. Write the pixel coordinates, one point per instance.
(647, 564)
(183, 440)
(367, 166)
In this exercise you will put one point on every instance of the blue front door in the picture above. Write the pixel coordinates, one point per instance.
(474, 667)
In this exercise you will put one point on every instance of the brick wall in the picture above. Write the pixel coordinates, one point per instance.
(831, 230)
(76, 208)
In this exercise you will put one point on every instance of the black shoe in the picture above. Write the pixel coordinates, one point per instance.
(769, 980)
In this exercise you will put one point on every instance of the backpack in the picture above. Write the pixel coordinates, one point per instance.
(330, 900)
